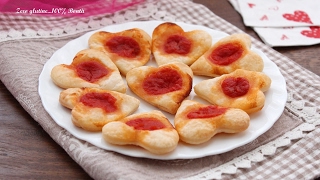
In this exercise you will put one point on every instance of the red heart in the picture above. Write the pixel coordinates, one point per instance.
(298, 16)
(314, 33)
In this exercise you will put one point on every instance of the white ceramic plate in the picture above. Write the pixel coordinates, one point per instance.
(260, 122)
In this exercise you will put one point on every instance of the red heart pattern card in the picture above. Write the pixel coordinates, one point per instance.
(290, 36)
(282, 22)
(280, 13)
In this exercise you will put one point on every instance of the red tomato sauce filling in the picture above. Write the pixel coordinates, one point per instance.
(146, 124)
(235, 87)
(164, 81)
(226, 54)
(206, 112)
(104, 101)
(177, 44)
(124, 46)
(91, 71)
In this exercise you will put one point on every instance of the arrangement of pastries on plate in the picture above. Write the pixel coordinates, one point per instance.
(95, 83)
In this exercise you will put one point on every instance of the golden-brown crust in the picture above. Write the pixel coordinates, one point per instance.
(200, 130)
(251, 102)
(168, 102)
(65, 76)
(99, 40)
(200, 42)
(94, 118)
(158, 141)
(249, 60)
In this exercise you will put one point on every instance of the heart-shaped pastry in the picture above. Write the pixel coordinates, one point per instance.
(127, 49)
(197, 123)
(170, 43)
(150, 130)
(89, 68)
(164, 87)
(92, 108)
(240, 89)
(227, 55)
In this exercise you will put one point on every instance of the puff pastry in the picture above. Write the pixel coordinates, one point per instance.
(92, 108)
(89, 68)
(164, 87)
(197, 123)
(240, 89)
(150, 130)
(170, 43)
(228, 54)
(127, 49)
